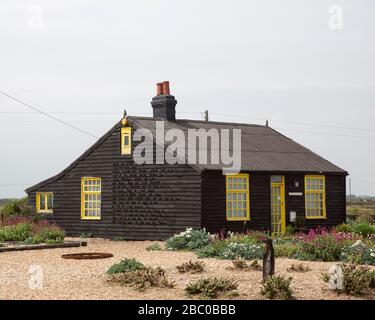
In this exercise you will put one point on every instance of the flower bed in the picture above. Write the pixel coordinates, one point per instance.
(27, 231)
(316, 245)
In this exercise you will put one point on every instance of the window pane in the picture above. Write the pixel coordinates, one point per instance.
(126, 140)
(42, 202)
(50, 201)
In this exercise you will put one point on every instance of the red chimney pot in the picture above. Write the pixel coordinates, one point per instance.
(159, 88)
(166, 88)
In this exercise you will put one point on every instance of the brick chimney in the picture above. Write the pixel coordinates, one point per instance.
(163, 104)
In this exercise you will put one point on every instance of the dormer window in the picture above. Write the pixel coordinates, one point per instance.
(126, 141)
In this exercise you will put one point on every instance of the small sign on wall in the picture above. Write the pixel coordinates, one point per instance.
(295, 193)
(292, 216)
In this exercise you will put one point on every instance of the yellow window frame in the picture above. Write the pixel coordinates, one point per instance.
(85, 192)
(319, 191)
(126, 140)
(45, 195)
(238, 191)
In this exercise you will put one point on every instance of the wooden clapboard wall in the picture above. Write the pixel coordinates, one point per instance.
(138, 201)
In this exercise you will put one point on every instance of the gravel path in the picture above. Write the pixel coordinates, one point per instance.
(85, 279)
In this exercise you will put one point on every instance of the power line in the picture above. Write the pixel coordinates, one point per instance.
(294, 122)
(47, 121)
(46, 114)
(196, 112)
(14, 184)
(326, 133)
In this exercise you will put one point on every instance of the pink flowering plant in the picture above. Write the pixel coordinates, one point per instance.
(322, 245)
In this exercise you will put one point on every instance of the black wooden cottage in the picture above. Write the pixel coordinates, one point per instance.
(104, 192)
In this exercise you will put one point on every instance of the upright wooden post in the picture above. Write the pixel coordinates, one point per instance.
(268, 259)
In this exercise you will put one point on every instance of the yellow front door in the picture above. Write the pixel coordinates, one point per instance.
(277, 205)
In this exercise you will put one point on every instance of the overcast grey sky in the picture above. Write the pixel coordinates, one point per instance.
(244, 61)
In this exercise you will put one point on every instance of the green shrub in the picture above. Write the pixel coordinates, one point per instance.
(126, 265)
(207, 252)
(287, 250)
(154, 247)
(232, 248)
(32, 233)
(322, 248)
(17, 232)
(290, 229)
(344, 227)
(356, 279)
(358, 253)
(277, 287)
(188, 240)
(248, 251)
(211, 287)
(363, 229)
(192, 267)
(213, 249)
(142, 278)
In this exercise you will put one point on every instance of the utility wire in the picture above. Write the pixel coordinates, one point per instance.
(196, 112)
(46, 114)
(295, 122)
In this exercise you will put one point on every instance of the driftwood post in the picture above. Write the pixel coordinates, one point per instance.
(268, 259)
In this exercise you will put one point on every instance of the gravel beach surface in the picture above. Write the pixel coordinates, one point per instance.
(86, 279)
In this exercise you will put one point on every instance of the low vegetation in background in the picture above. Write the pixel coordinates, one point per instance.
(361, 208)
(277, 287)
(31, 232)
(14, 208)
(209, 288)
(192, 267)
(356, 279)
(133, 273)
(154, 247)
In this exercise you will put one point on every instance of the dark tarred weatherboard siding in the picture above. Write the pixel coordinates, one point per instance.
(214, 204)
(139, 202)
(335, 200)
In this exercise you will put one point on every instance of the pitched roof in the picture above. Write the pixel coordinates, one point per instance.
(263, 148)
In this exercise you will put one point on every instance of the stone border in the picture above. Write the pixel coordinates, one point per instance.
(23, 247)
